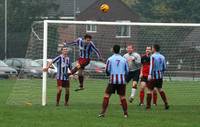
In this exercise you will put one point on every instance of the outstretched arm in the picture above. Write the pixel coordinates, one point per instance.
(96, 51)
(75, 42)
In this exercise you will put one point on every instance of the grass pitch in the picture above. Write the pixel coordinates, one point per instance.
(20, 106)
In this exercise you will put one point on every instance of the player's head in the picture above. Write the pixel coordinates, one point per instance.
(87, 38)
(148, 50)
(156, 48)
(130, 48)
(64, 50)
(116, 49)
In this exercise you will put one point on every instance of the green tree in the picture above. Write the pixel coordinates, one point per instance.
(21, 14)
(168, 10)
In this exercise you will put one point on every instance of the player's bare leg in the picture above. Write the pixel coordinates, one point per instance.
(133, 91)
(142, 93)
(155, 97)
(164, 98)
(74, 70)
(104, 104)
(59, 91)
(124, 105)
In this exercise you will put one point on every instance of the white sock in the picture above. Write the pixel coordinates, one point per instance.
(133, 92)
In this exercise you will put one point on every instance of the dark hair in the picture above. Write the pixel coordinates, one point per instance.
(131, 45)
(116, 49)
(63, 47)
(87, 36)
(156, 47)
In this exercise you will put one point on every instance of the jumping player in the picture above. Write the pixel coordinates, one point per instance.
(63, 64)
(155, 77)
(144, 72)
(86, 46)
(134, 61)
(117, 68)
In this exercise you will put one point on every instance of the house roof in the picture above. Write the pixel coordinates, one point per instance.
(118, 11)
(66, 7)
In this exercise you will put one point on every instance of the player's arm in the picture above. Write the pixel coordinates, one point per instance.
(70, 65)
(108, 67)
(48, 66)
(137, 59)
(96, 51)
(164, 65)
(151, 67)
(141, 70)
(50, 63)
(126, 68)
(73, 43)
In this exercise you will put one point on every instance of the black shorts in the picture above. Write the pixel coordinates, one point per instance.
(120, 88)
(144, 79)
(135, 75)
(155, 83)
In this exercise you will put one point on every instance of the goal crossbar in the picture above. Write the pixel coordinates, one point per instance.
(120, 23)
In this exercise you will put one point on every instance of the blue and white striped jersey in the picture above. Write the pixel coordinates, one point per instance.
(84, 48)
(63, 64)
(117, 69)
(157, 66)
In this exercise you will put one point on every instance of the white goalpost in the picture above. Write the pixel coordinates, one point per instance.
(176, 40)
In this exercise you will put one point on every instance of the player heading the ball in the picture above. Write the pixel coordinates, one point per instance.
(86, 47)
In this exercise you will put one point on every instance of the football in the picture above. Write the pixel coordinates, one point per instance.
(104, 8)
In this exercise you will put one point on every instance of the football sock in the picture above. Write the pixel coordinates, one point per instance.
(58, 97)
(67, 95)
(149, 96)
(124, 106)
(81, 79)
(163, 96)
(141, 96)
(105, 104)
(155, 97)
(133, 92)
(73, 71)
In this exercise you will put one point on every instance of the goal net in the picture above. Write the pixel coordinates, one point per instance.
(180, 44)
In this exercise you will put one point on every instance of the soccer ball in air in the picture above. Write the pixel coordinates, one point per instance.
(104, 8)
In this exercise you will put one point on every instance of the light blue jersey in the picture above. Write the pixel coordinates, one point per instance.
(157, 66)
(117, 69)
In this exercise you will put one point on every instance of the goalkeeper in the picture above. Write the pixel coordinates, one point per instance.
(86, 46)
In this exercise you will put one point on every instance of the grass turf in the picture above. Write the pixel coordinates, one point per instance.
(85, 105)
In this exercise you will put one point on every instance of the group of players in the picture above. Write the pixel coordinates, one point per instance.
(149, 68)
